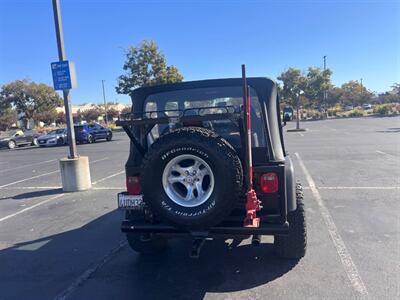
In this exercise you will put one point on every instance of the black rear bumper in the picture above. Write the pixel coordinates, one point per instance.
(223, 230)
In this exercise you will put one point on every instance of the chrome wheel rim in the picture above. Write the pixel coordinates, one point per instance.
(11, 144)
(188, 180)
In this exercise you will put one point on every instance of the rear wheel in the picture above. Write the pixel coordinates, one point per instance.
(109, 136)
(11, 144)
(90, 139)
(294, 245)
(34, 142)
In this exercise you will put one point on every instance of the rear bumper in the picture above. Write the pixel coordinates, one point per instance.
(264, 229)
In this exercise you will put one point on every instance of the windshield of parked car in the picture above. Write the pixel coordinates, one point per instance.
(57, 131)
(212, 100)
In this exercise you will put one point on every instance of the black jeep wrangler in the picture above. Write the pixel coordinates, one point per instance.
(207, 160)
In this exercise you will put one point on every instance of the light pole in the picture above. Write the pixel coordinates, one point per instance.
(325, 91)
(297, 110)
(105, 103)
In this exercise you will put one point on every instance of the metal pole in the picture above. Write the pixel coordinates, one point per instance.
(61, 55)
(362, 89)
(325, 91)
(297, 113)
(247, 130)
(104, 98)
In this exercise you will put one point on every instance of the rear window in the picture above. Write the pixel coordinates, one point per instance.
(219, 98)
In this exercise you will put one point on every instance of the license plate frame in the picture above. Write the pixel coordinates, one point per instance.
(130, 202)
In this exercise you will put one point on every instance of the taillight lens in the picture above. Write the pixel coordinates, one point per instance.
(133, 185)
(269, 183)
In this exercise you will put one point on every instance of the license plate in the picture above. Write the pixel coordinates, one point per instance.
(126, 201)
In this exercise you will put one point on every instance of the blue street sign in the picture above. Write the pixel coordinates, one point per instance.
(63, 75)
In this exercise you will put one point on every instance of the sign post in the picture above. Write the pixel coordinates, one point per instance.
(75, 171)
(63, 81)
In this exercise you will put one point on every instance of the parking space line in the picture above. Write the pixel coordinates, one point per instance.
(59, 187)
(358, 187)
(108, 177)
(42, 175)
(30, 207)
(39, 163)
(384, 153)
(345, 257)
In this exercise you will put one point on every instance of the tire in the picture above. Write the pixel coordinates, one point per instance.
(293, 246)
(147, 244)
(90, 139)
(60, 142)
(11, 144)
(109, 136)
(215, 187)
(34, 142)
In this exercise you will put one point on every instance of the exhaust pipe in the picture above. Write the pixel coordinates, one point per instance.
(256, 240)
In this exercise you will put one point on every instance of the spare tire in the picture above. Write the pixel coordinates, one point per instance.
(192, 178)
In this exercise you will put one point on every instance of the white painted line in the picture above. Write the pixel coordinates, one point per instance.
(358, 187)
(30, 207)
(29, 178)
(108, 177)
(347, 262)
(80, 280)
(41, 175)
(35, 164)
(59, 187)
(387, 154)
(300, 133)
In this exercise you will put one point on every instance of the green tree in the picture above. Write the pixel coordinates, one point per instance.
(354, 93)
(145, 65)
(92, 114)
(317, 82)
(48, 116)
(293, 82)
(29, 97)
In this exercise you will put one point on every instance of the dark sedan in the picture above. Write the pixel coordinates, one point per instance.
(18, 137)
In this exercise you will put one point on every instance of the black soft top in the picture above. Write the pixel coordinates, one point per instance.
(266, 91)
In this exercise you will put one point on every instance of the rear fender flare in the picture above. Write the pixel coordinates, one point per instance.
(290, 185)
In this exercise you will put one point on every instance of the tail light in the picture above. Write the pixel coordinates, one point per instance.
(269, 183)
(133, 185)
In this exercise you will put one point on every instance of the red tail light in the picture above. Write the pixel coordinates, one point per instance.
(133, 185)
(269, 183)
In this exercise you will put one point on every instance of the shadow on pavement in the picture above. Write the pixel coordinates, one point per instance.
(220, 269)
(45, 267)
(36, 194)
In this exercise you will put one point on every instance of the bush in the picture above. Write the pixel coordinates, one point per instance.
(356, 113)
(382, 109)
(7, 120)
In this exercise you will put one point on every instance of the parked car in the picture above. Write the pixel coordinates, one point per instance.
(348, 107)
(90, 133)
(367, 106)
(288, 114)
(18, 137)
(56, 137)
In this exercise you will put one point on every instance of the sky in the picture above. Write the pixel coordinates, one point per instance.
(203, 39)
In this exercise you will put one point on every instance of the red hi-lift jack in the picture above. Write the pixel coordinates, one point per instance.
(253, 204)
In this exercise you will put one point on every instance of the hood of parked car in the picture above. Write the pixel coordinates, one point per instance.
(48, 136)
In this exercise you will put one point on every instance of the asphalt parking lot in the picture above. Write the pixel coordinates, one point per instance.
(56, 245)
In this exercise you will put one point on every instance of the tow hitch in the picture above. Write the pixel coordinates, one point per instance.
(253, 204)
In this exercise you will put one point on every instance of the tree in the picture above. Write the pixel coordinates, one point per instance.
(354, 93)
(317, 82)
(91, 115)
(48, 116)
(29, 97)
(293, 82)
(61, 118)
(145, 65)
(7, 118)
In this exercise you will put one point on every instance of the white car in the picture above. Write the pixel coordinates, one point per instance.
(56, 137)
